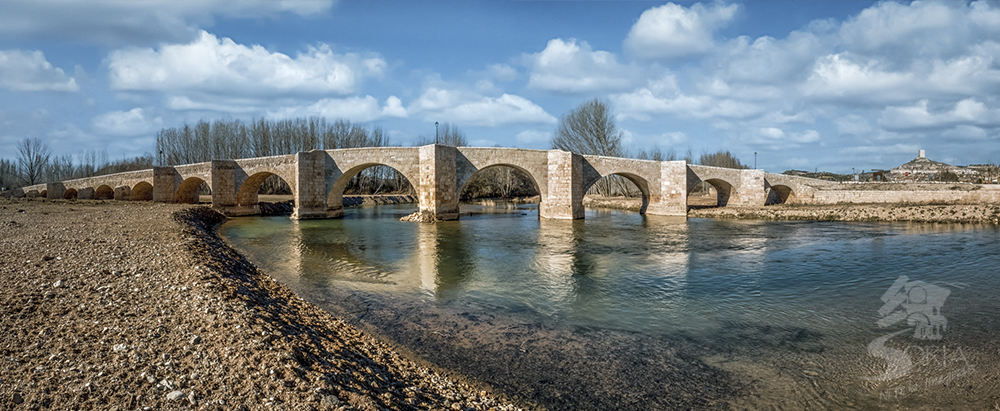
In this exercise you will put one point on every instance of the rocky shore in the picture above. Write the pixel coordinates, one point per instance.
(923, 213)
(954, 213)
(139, 306)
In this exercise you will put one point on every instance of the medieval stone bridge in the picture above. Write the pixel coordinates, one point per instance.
(438, 173)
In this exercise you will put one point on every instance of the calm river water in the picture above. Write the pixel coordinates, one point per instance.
(625, 311)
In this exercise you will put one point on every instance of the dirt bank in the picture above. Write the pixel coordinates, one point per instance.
(959, 213)
(125, 306)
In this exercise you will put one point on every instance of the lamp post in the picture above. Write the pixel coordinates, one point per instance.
(435, 132)
(754, 160)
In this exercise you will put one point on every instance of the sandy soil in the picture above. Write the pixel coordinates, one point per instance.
(138, 306)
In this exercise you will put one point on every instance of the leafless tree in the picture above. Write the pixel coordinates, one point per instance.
(721, 159)
(8, 175)
(32, 159)
(591, 129)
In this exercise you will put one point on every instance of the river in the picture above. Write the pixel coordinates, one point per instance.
(626, 311)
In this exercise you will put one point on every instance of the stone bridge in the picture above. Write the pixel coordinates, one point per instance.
(438, 173)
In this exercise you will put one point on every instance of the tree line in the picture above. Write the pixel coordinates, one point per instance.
(35, 164)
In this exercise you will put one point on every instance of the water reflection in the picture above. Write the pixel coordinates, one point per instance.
(791, 305)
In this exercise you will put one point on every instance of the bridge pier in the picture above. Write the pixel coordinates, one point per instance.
(437, 191)
(164, 184)
(565, 181)
(224, 185)
(672, 196)
(751, 191)
(310, 185)
(123, 193)
(55, 191)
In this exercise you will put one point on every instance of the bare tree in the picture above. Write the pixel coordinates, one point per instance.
(8, 174)
(721, 159)
(589, 129)
(32, 159)
(451, 136)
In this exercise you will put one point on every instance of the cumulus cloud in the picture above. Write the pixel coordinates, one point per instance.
(117, 23)
(126, 123)
(467, 108)
(968, 112)
(359, 109)
(221, 66)
(888, 149)
(838, 77)
(30, 71)
(573, 67)
(767, 60)
(920, 29)
(672, 31)
(394, 108)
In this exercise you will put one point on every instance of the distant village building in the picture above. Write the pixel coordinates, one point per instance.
(925, 169)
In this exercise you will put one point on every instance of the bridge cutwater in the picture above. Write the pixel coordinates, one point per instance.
(438, 173)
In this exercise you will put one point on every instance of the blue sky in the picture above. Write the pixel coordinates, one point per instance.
(832, 85)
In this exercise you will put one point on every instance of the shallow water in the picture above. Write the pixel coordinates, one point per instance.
(622, 310)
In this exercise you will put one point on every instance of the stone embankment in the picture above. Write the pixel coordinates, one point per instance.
(137, 306)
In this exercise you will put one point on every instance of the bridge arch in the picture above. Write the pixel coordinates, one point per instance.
(104, 192)
(779, 194)
(71, 194)
(187, 191)
(471, 177)
(724, 190)
(639, 182)
(142, 191)
(247, 194)
(335, 197)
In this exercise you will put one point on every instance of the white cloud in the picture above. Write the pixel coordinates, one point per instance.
(838, 77)
(890, 149)
(767, 60)
(966, 112)
(118, 23)
(502, 72)
(126, 123)
(394, 108)
(467, 108)
(671, 31)
(30, 71)
(853, 124)
(221, 66)
(357, 109)
(921, 29)
(779, 138)
(571, 67)
(673, 138)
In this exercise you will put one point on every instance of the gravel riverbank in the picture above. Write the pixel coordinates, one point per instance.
(135, 306)
(954, 213)
(923, 213)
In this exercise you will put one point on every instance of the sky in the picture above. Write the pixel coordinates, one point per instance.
(827, 85)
